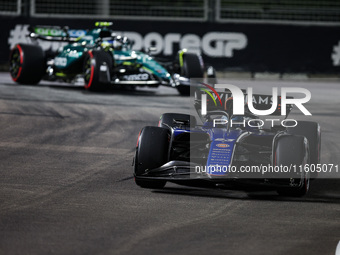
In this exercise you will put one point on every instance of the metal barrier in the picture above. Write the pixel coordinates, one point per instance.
(279, 12)
(310, 12)
(10, 7)
(185, 10)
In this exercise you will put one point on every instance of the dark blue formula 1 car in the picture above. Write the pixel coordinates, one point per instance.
(101, 58)
(233, 151)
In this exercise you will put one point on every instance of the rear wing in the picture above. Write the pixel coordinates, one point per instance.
(222, 101)
(55, 33)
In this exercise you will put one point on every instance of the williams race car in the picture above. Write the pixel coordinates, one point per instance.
(228, 151)
(101, 58)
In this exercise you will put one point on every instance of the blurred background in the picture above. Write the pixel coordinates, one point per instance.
(275, 36)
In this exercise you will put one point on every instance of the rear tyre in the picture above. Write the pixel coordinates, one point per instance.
(97, 70)
(310, 130)
(191, 67)
(293, 150)
(170, 120)
(151, 152)
(27, 63)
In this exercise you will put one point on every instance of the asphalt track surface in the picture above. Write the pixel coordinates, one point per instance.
(66, 183)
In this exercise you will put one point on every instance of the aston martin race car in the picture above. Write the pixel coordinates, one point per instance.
(100, 57)
(228, 151)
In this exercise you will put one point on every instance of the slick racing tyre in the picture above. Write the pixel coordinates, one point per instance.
(27, 63)
(191, 66)
(310, 130)
(293, 150)
(97, 70)
(170, 120)
(151, 152)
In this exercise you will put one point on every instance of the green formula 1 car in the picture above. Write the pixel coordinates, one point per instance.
(101, 58)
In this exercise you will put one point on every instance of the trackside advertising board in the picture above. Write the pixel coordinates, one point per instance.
(233, 47)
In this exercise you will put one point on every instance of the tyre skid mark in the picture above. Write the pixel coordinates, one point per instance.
(148, 233)
(67, 148)
(48, 194)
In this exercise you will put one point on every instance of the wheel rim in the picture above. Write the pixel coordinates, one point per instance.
(15, 63)
(88, 71)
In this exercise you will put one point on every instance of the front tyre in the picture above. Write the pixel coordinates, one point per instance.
(97, 70)
(27, 63)
(151, 152)
(311, 130)
(191, 66)
(293, 150)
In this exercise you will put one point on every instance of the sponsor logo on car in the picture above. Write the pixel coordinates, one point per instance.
(136, 77)
(224, 140)
(223, 145)
(59, 61)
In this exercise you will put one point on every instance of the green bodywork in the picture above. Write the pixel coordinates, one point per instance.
(70, 59)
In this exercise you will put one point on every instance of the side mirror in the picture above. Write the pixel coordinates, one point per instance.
(151, 50)
(211, 75)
